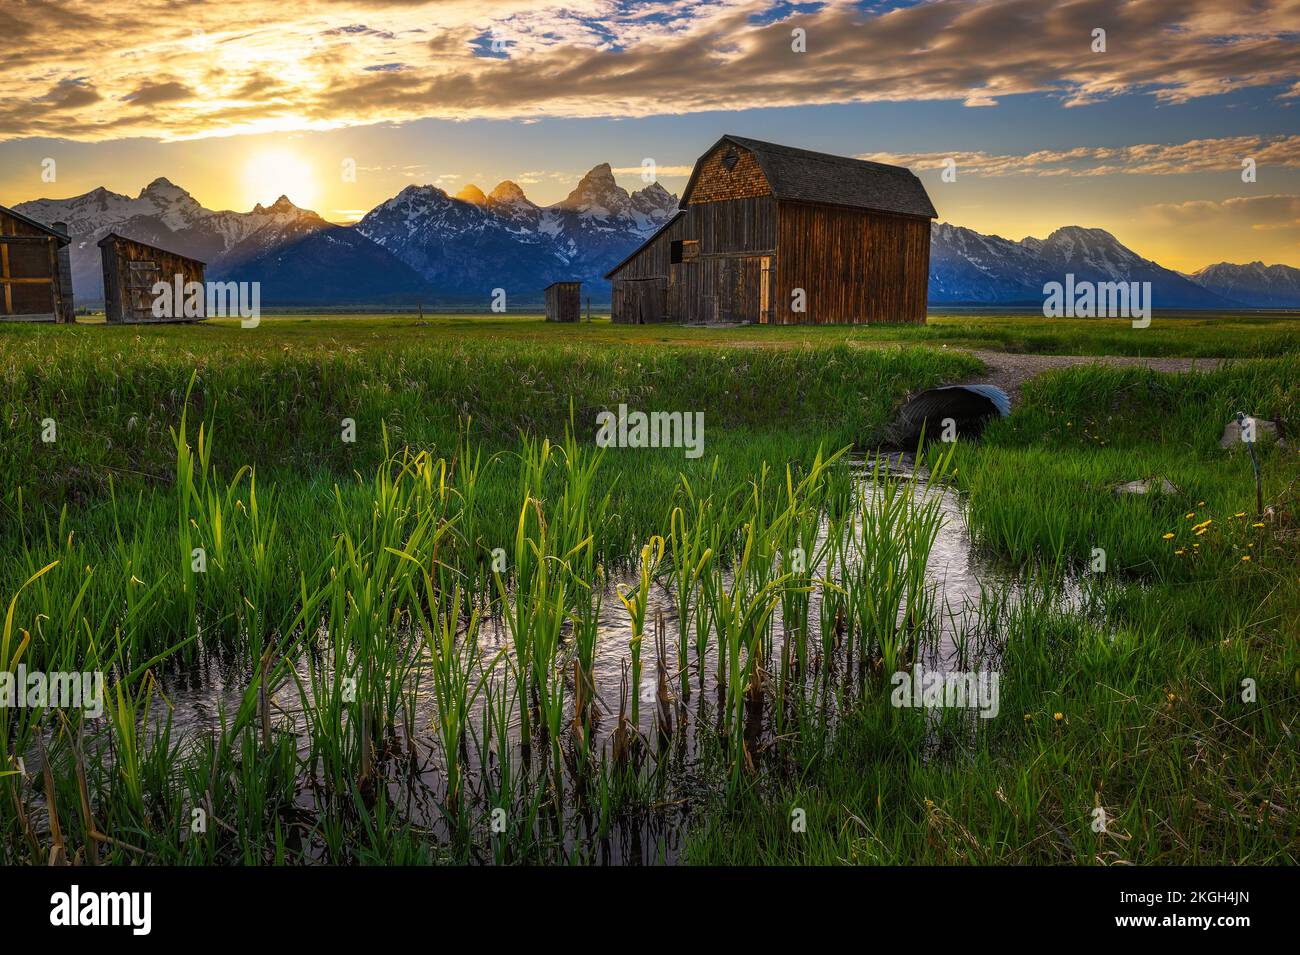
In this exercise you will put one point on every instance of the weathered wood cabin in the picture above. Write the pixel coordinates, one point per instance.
(132, 269)
(564, 301)
(35, 270)
(773, 234)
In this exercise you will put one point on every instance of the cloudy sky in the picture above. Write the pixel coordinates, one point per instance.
(242, 100)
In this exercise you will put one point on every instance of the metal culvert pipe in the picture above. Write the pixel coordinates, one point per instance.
(960, 409)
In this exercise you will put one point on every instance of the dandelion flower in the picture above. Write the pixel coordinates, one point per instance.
(1258, 524)
(1190, 515)
(1180, 552)
(1200, 503)
(1246, 558)
(1028, 717)
(1058, 716)
(1172, 697)
(1169, 537)
(1240, 514)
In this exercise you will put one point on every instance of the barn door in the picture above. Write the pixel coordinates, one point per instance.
(141, 277)
(739, 289)
(655, 293)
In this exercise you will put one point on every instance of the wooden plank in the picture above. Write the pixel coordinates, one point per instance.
(855, 266)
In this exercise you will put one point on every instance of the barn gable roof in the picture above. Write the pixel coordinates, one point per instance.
(118, 237)
(806, 176)
(646, 244)
(63, 237)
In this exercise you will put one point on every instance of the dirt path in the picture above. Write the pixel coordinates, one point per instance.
(1010, 371)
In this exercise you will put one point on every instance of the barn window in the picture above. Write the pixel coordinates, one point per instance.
(683, 250)
(730, 160)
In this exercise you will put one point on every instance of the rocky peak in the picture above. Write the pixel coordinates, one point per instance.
(473, 195)
(598, 194)
(507, 193)
(654, 199)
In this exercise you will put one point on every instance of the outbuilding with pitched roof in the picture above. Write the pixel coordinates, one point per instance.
(779, 235)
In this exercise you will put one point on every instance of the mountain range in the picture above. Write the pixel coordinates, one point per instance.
(427, 246)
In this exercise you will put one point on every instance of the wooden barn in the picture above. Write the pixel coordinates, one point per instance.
(563, 301)
(132, 269)
(779, 235)
(35, 270)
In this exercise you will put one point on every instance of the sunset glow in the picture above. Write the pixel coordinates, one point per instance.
(1145, 139)
(279, 172)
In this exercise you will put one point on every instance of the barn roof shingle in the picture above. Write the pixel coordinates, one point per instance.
(806, 176)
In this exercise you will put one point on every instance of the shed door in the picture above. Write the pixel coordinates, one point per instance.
(140, 279)
(27, 265)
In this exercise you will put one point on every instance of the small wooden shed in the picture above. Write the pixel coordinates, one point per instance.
(563, 301)
(131, 271)
(35, 270)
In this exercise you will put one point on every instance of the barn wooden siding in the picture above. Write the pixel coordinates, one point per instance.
(564, 301)
(853, 235)
(722, 278)
(855, 266)
(639, 286)
(35, 271)
(131, 269)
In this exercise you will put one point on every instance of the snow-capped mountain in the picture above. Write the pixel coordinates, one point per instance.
(1096, 255)
(166, 215)
(972, 269)
(1254, 284)
(969, 268)
(469, 244)
(424, 245)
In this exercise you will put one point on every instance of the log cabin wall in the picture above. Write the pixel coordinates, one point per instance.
(131, 269)
(854, 265)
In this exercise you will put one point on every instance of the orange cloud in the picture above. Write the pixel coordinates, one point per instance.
(247, 66)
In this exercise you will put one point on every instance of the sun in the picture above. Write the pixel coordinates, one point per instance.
(273, 173)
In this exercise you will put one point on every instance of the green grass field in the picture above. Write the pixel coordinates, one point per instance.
(1186, 334)
(337, 571)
